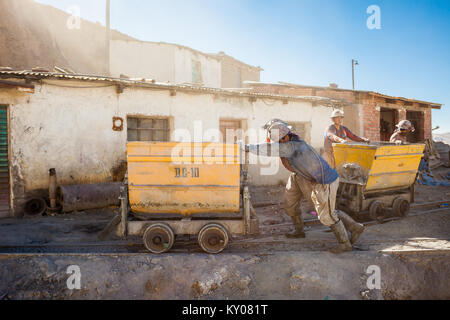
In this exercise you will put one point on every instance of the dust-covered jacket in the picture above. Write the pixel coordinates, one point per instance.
(301, 157)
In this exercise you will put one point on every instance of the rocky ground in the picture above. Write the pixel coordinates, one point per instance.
(412, 254)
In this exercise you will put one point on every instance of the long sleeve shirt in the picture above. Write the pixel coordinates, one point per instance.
(332, 134)
(301, 158)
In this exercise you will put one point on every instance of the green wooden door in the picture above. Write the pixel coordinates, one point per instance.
(4, 163)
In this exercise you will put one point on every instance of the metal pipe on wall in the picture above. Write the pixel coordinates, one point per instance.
(88, 196)
(52, 188)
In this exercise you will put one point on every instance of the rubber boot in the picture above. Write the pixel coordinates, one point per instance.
(355, 228)
(299, 226)
(342, 237)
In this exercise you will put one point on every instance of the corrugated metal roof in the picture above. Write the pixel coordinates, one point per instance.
(35, 76)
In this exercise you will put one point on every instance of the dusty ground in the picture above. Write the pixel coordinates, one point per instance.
(413, 255)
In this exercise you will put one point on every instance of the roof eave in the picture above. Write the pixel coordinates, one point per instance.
(38, 76)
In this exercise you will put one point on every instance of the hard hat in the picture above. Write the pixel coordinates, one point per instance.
(337, 113)
(406, 125)
(273, 121)
(278, 131)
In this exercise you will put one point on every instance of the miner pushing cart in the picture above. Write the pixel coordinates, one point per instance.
(186, 189)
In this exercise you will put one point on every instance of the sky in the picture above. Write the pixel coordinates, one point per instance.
(309, 42)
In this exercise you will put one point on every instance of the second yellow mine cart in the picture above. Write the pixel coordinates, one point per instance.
(187, 188)
(377, 177)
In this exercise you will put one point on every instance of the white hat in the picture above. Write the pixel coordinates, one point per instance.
(337, 113)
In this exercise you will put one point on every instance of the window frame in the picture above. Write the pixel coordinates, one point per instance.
(138, 129)
(240, 128)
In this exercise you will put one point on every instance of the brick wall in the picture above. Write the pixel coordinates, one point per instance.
(371, 119)
(427, 124)
(401, 114)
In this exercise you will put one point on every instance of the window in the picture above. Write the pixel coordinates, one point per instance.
(388, 120)
(231, 131)
(417, 120)
(148, 129)
(196, 72)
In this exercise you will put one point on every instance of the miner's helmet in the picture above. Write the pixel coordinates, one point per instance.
(337, 113)
(273, 121)
(405, 125)
(278, 130)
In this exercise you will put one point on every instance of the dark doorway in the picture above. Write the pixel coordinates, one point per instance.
(388, 120)
(417, 120)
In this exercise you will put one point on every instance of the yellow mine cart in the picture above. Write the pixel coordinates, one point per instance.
(376, 178)
(186, 188)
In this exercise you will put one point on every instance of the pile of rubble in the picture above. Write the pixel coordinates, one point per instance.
(437, 155)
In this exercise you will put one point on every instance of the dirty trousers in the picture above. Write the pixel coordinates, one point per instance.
(323, 197)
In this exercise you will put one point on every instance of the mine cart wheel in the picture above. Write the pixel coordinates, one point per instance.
(213, 238)
(377, 211)
(158, 238)
(35, 207)
(400, 207)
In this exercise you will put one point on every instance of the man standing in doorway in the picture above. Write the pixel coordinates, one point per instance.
(337, 133)
(311, 177)
(403, 128)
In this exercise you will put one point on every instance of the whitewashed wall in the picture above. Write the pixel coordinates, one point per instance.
(142, 60)
(210, 68)
(162, 62)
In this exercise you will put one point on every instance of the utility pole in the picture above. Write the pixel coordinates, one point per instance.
(108, 36)
(354, 63)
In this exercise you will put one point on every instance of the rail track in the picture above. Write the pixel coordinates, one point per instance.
(267, 241)
(414, 212)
